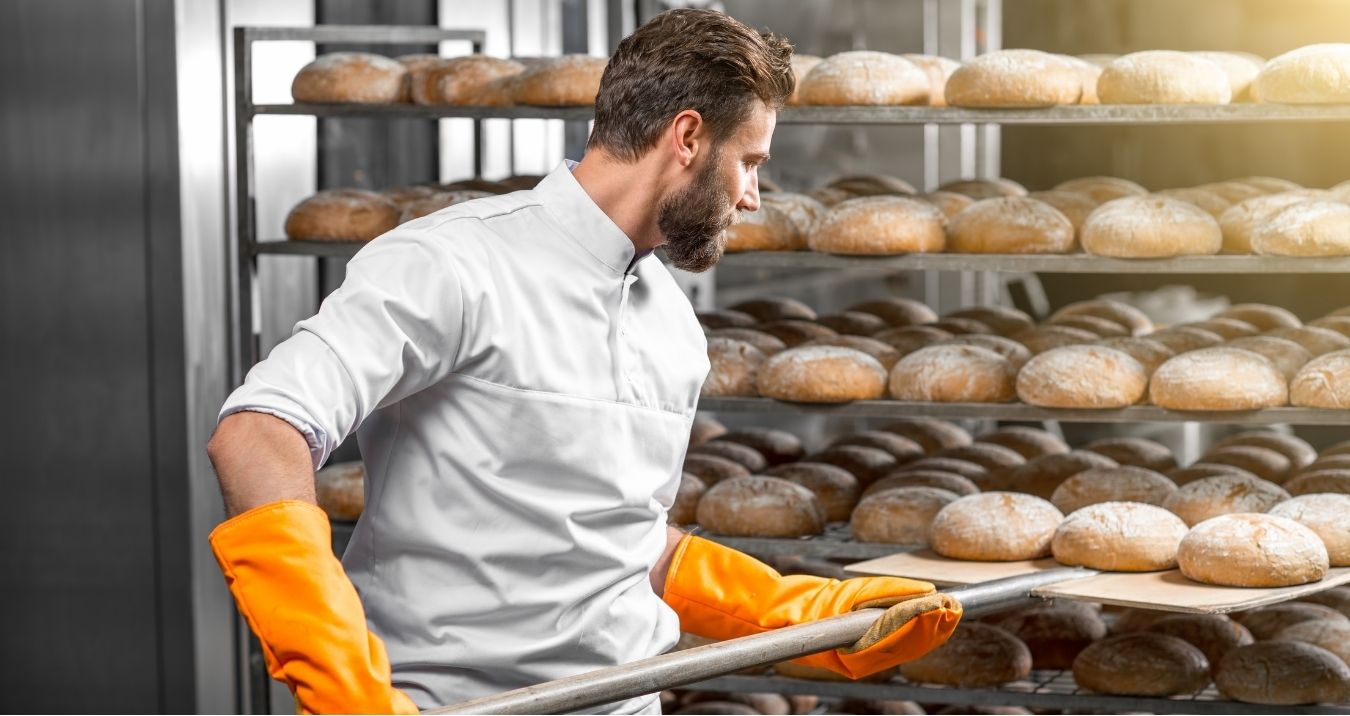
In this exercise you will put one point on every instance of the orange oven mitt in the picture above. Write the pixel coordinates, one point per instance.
(720, 593)
(278, 562)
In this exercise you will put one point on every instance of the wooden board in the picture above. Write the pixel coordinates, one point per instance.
(1168, 591)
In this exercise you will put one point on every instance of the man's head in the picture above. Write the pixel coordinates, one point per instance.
(695, 93)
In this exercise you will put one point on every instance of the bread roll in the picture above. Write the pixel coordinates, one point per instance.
(712, 469)
(766, 229)
(760, 506)
(1126, 315)
(1102, 189)
(1011, 225)
(1016, 353)
(949, 203)
(961, 326)
(1213, 634)
(945, 481)
(775, 309)
(725, 319)
(978, 189)
(1150, 354)
(1240, 221)
(801, 66)
(353, 77)
(1329, 634)
(341, 215)
(1074, 206)
(684, 509)
(896, 311)
(1123, 483)
(995, 527)
(777, 446)
(974, 472)
(747, 457)
(1040, 476)
(1185, 339)
(461, 80)
(567, 81)
(1218, 379)
(1003, 320)
(1201, 470)
(977, 655)
(836, 488)
(1287, 356)
(1119, 537)
(880, 225)
(1262, 462)
(953, 374)
(1138, 452)
(1306, 228)
(794, 332)
(939, 70)
(1226, 328)
(931, 434)
(1014, 78)
(1315, 74)
(1163, 77)
(1266, 318)
(802, 212)
(1082, 377)
(765, 343)
(1150, 227)
(1030, 443)
(1281, 673)
(1328, 515)
(1297, 450)
(1054, 634)
(1141, 664)
(1212, 203)
(1319, 481)
(1231, 493)
(864, 78)
(1323, 383)
(1252, 550)
(735, 365)
(867, 464)
(704, 429)
(340, 490)
(901, 448)
(1241, 68)
(899, 516)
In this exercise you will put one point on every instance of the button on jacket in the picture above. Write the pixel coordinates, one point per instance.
(522, 390)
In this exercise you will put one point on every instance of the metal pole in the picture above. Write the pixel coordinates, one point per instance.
(692, 665)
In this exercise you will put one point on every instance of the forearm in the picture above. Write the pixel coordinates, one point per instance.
(260, 459)
(662, 566)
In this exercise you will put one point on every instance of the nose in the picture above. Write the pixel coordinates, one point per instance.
(750, 198)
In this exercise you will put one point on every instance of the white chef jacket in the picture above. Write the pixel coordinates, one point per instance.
(522, 392)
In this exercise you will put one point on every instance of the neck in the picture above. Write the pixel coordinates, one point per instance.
(629, 193)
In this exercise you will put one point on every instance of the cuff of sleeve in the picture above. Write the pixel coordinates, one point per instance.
(318, 447)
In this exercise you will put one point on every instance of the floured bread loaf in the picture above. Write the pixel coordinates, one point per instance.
(901, 448)
(341, 215)
(1213, 634)
(567, 81)
(1315, 74)
(1030, 443)
(743, 455)
(685, 507)
(977, 655)
(1139, 452)
(355, 77)
(801, 66)
(802, 212)
(961, 326)
(953, 374)
(1123, 483)
(1040, 476)
(794, 332)
(1224, 494)
(777, 446)
(1241, 68)
(1252, 550)
(836, 488)
(735, 365)
(1265, 622)
(867, 464)
(1281, 673)
(880, 225)
(1141, 664)
(1119, 537)
(1271, 185)
(1049, 337)
(873, 185)
(1150, 227)
(900, 515)
(1184, 339)
(864, 78)
(760, 506)
(340, 490)
(1088, 74)
(461, 80)
(897, 311)
(948, 202)
(1150, 354)
(775, 308)
(946, 481)
(886, 355)
(1308, 228)
(1011, 225)
(1201, 470)
(908, 339)
(939, 70)
(1074, 206)
(1212, 203)
(1055, 634)
(822, 374)
(1003, 320)
(1226, 328)
(1092, 324)
(931, 434)
(1326, 514)
(1163, 77)
(1299, 452)
(1239, 221)
(978, 189)
(1014, 78)
(768, 229)
(1124, 314)
(1287, 356)
(1320, 481)
(995, 527)
(766, 343)
(712, 469)
(1263, 462)
(853, 323)
(1102, 189)
(1218, 379)
(1323, 383)
(1264, 317)
(1016, 353)
(1082, 377)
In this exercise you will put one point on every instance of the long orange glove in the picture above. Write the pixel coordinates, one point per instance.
(720, 593)
(279, 564)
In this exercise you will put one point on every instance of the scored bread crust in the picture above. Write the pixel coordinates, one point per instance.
(1252, 550)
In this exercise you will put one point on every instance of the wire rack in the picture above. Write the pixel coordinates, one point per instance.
(836, 542)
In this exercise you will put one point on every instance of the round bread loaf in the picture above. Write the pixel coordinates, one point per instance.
(978, 189)
(801, 66)
(1317, 341)
(995, 527)
(1264, 317)
(900, 515)
(853, 323)
(1226, 328)
(725, 319)
(1074, 206)
(355, 77)
(1265, 622)
(743, 455)
(977, 655)
(1314, 74)
(1054, 634)
(765, 343)
(829, 196)
(1185, 339)
(1049, 337)
(1040, 476)
(1088, 73)
(704, 429)
(1124, 314)
(1030, 443)
(1141, 664)
(1138, 452)
(1240, 221)
(339, 489)
(567, 81)
(1323, 383)
(1119, 537)
(1339, 461)
(1122, 483)
(434, 203)
(775, 309)
(1329, 634)
(461, 80)
(997, 460)
(873, 185)
(1218, 379)
(341, 215)
(684, 510)
(867, 464)
(802, 212)
(1211, 202)
(1150, 227)
(953, 374)
(1011, 225)
(822, 374)
(712, 469)
(931, 434)
(1213, 634)
(1282, 673)
(1241, 68)
(766, 229)
(864, 78)
(1132, 620)
(1297, 450)
(1270, 185)
(1092, 324)
(1262, 462)
(794, 332)
(1201, 470)
(836, 488)
(1287, 356)
(961, 326)
(880, 225)
(760, 506)
(977, 474)
(405, 195)
(901, 448)
(777, 446)
(734, 367)
(1335, 481)
(948, 202)
(896, 311)
(1337, 598)
(1230, 493)
(1003, 320)
(1252, 550)
(1339, 324)
(1102, 189)
(1016, 353)
(1328, 515)
(1334, 450)
(945, 481)
(1233, 191)
(1150, 354)
(939, 69)
(1163, 77)
(1314, 227)
(1014, 78)
(1082, 377)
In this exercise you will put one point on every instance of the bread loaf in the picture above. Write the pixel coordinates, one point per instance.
(801, 66)
(1239, 221)
(873, 185)
(1088, 74)
(900, 515)
(949, 203)
(822, 374)
(766, 229)
(1040, 476)
(939, 70)
(1218, 379)
(1150, 227)
(1163, 77)
(853, 323)
(461, 80)
(1030, 443)
(1126, 315)
(1318, 481)
(1138, 452)
(794, 332)
(1055, 634)
(735, 364)
(1287, 356)
(1082, 377)
(867, 464)
(1339, 461)
(1281, 673)
(1265, 318)
(1119, 537)
(1226, 328)
(1213, 634)
(932, 435)
(777, 446)
(775, 309)
(1339, 324)
(1233, 191)
(978, 189)
(341, 215)
(1230, 493)
(1308, 228)
(880, 225)
(405, 195)
(1252, 550)
(1011, 225)
(1317, 341)
(340, 490)
(1241, 68)
(1074, 206)
(1201, 470)
(1211, 202)
(995, 459)
(1141, 664)
(1271, 185)
(1329, 634)
(354, 77)
(901, 448)
(1185, 339)
(1323, 383)
(995, 527)
(1123, 483)
(745, 456)
(760, 506)
(765, 343)
(1016, 353)
(1014, 78)
(1262, 462)
(1002, 320)
(945, 481)
(977, 655)
(1132, 620)
(1049, 337)
(1315, 74)
(1297, 450)
(802, 212)
(976, 473)
(864, 78)
(684, 509)
(1326, 514)
(897, 311)
(725, 319)
(961, 326)
(1102, 189)
(1265, 622)
(704, 429)
(1150, 354)
(1337, 598)
(712, 469)
(1092, 324)
(836, 488)
(567, 81)
(953, 374)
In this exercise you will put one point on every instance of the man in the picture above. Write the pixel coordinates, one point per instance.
(523, 375)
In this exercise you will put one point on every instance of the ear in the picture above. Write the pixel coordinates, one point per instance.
(686, 136)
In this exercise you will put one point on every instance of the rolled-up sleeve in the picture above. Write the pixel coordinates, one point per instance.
(391, 329)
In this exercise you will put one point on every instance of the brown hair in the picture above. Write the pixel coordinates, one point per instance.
(685, 59)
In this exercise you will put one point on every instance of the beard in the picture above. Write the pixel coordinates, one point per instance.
(693, 221)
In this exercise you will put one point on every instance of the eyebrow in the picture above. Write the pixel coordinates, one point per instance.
(761, 157)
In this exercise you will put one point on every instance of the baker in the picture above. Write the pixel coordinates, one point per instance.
(522, 375)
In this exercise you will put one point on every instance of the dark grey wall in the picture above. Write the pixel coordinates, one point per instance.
(94, 566)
